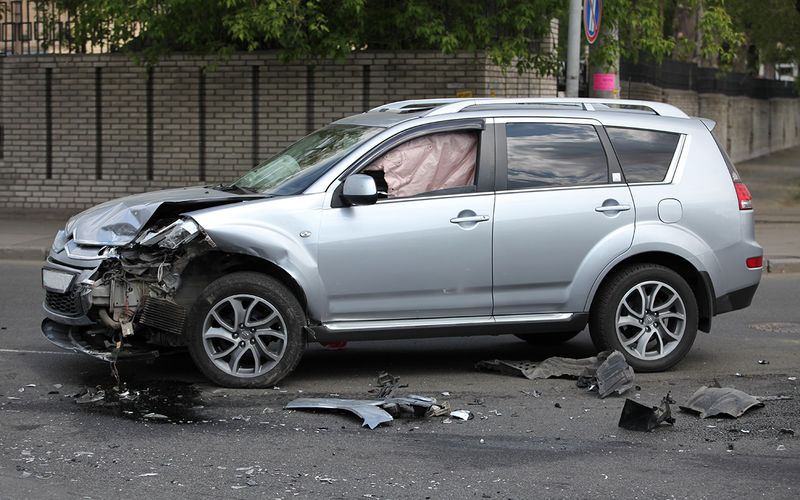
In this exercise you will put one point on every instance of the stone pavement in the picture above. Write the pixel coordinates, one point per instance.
(773, 180)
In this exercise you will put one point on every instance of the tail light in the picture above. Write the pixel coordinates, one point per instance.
(755, 262)
(745, 200)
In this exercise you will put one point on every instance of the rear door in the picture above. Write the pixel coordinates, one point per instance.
(563, 212)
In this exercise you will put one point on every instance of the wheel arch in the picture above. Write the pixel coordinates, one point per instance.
(206, 268)
(699, 281)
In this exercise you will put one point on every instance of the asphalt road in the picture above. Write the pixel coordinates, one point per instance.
(565, 443)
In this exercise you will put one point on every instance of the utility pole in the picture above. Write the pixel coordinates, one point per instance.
(573, 47)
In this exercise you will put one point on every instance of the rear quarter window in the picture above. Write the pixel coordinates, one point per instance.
(644, 155)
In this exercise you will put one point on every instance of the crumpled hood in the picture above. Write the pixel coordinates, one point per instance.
(118, 222)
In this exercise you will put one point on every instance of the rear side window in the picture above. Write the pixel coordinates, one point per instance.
(548, 154)
(644, 155)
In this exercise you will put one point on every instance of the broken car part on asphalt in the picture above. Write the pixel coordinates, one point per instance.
(550, 367)
(712, 401)
(608, 371)
(614, 375)
(385, 408)
(375, 412)
(638, 417)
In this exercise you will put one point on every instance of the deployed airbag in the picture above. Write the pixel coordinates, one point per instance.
(429, 163)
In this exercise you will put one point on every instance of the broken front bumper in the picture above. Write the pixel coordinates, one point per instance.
(70, 338)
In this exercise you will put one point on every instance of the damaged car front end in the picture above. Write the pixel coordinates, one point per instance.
(113, 276)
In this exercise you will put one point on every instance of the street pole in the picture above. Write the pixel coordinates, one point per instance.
(573, 47)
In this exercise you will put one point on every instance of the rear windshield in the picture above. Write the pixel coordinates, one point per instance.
(644, 155)
(298, 166)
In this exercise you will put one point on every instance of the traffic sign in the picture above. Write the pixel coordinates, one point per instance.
(591, 19)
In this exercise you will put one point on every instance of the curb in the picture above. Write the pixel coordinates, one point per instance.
(24, 253)
(783, 265)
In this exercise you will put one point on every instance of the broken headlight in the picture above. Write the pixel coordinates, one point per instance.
(172, 236)
(61, 239)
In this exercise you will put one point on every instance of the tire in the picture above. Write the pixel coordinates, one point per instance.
(628, 315)
(548, 338)
(246, 330)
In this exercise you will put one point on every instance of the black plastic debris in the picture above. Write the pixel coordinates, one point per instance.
(614, 375)
(375, 412)
(550, 367)
(712, 401)
(638, 417)
(387, 385)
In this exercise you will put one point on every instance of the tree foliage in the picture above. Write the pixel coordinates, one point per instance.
(509, 31)
(772, 28)
(649, 29)
(307, 29)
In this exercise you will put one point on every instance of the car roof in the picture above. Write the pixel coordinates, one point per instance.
(615, 110)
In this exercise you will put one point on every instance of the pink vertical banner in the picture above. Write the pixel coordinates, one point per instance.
(603, 82)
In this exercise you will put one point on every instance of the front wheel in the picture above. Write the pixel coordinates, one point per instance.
(246, 330)
(649, 313)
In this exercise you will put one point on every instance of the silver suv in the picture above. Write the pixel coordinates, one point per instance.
(532, 217)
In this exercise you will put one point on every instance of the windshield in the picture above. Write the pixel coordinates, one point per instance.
(297, 167)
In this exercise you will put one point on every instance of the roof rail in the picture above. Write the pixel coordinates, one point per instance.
(447, 106)
(414, 105)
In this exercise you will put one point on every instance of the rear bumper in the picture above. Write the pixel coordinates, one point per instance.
(738, 299)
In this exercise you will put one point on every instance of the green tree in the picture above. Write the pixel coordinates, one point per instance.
(772, 29)
(634, 29)
(307, 29)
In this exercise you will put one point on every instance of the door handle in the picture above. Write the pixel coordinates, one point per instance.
(469, 218)
(613, 208)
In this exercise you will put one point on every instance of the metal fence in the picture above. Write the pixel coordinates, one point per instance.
(688, 76)
(37, 27)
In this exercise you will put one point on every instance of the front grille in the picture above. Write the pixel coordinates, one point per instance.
(68, 304)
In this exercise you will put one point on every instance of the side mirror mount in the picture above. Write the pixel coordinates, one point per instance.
(360, 189)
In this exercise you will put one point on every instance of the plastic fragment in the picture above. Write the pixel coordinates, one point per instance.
(614, 375)
(712, 401)
(462, 414)
(550, 367)
(155, 416)
(638, 417)
(375, 412)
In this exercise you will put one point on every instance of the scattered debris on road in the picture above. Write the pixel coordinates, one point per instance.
(550, 367)
(386, 407)
(462, 414)
(157, 401)
(614, 375)
(375, 412)
(638, 417)
(712, 401)
(387, 385)
(608, 372)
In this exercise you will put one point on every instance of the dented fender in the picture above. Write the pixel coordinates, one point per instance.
(281, 230)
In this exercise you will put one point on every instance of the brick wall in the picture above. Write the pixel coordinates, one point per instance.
(81, 129)
(115, 130)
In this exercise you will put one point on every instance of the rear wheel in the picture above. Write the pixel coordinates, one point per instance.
(245, 330)
(649, 313)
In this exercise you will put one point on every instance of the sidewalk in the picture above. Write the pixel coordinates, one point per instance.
(773, 180)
